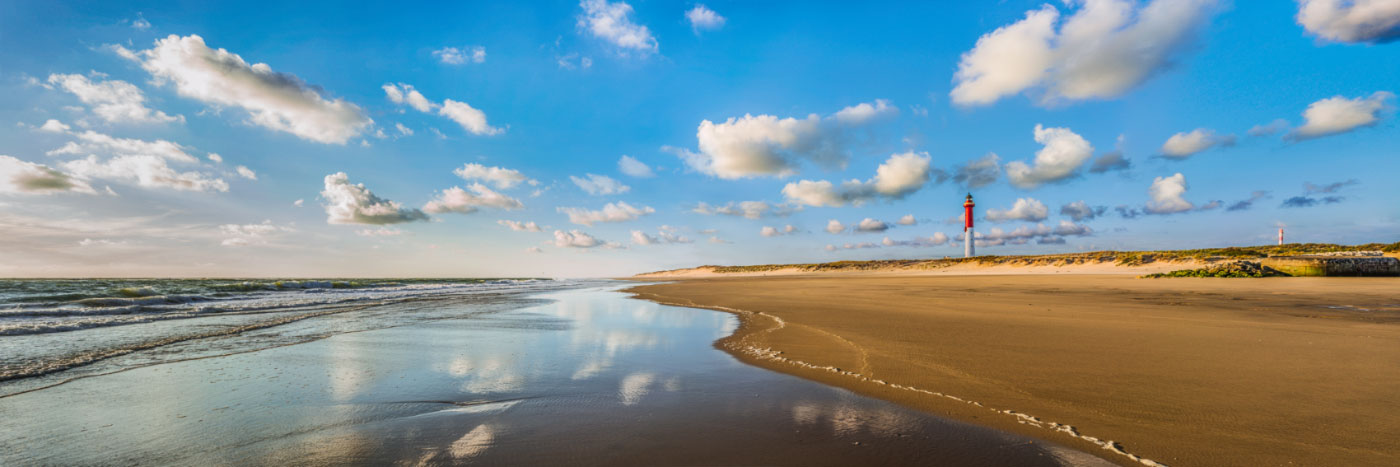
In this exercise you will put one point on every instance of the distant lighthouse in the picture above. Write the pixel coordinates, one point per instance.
(968, 250)
(1280, 236)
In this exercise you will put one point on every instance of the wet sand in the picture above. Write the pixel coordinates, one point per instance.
(589, 377)
(1279, 371)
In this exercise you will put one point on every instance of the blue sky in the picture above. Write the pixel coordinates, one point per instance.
(895, 100)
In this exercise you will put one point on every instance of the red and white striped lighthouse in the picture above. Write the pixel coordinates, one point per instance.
(968, 250)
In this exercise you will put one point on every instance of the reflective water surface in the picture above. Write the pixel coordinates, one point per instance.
(588, 377)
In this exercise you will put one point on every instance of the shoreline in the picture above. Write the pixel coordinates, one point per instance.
(822, 347)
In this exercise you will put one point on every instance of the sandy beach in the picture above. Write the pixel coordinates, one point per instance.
(1279, 371)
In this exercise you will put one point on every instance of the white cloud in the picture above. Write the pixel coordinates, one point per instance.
(835, 227)
(1024, 209)
(869, 225)
(599, 185)
(348, 203)
(140, 23)
(405, 94)
(938, 238)
(611, 212)
(114, 101)
(403, 130)
(467, 201)
(665, 235)
(1103, 50)
(520, 226)
(456, 56)
(251, 234)
(91, 142)
(575, 239)
(247, 173)
(748, 209)
(379, 232)
(611, 22)
(1060, 159)
(299, 203)
(500, 177)
(908, 219)
(1372, 21)
(703, 18)
(765, 145)
(470, 118)
(1041, 233)
(768, 231)
(54, 126)
(633, 167)
(1339, 114)
(215, 158)
(1166, 195)
(1184, 145)
(146, 170)
(20, 177)
(900, 176)
(278, 101)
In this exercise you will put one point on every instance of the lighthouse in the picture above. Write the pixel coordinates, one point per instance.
(968, 250)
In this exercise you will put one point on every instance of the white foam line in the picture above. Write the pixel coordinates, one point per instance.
(765, 353)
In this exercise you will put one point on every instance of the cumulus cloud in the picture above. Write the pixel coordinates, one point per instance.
(20, 177)
(1166, 195)
(599, 185)
(456, 56)
(900, 176)
(908, 219)
(835, 227)
(612, 22)
(703, 18)
(251, 234)
(1103, 50)
(1060, 159)
(979, 172)
(765, 145)
(869, 225)
(274, 100)
(578, 239)
(469, 118)
(403, 130)
(748, 209)
(54, 126)
(768, 231)
(1110, 162)
(348, 203)
(500, 177)
(469, 200)
(1080, 211)
(611, 212)
(1355, 21)
(1186, 144)
(1024, 209)
(1339, 114)
(520, 226)
(114, 101)
(634, 168)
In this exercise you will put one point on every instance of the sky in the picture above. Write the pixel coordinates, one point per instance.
(598, 138)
